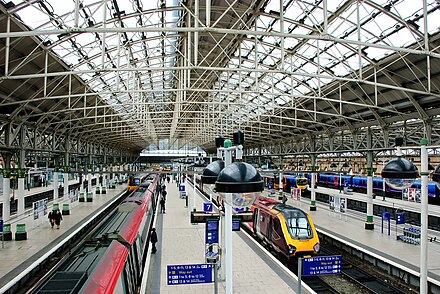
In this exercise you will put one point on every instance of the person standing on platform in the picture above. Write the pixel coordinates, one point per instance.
(168, 179)
(162, 205)
(164, 194)
(55, 218)
(153, 240)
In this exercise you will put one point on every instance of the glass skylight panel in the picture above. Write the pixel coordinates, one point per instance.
(309, 68)
(301, 30)
(301, 89)
(315, 17)
(280, 101)
(263, 23)
(402, 38)
(294, 11)
(290, 42)
(273, 5)
(340, 69)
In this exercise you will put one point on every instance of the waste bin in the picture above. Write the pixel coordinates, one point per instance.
(55, 206)
(98, 190)
(89, 196)
(7, 234)
(81, 197)
(103, 190)
(66, 210)
(20, 233)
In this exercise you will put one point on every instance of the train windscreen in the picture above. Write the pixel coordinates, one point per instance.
(298, 225)
(301, 181)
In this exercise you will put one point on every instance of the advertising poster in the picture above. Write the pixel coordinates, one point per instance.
(296, 193)
(332, 202)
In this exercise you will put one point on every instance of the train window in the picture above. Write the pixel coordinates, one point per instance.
(299, 228)
(277, 227)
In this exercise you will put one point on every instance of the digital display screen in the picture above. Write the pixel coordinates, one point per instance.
(235, 224)
(212, 225)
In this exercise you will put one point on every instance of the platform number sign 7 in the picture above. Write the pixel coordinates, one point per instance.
(207, 207)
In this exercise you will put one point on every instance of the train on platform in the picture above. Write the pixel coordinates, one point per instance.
(111, 259)
(355, 182)
(288, 230)
(134, 181)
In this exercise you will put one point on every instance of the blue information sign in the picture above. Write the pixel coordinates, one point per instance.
(385, 215)
(238, 209)
(207, 207)
(322, 265)
(236, 224)
(400, 218)
(189, 274)
(1, 226)
(211, 235)
(182, 188)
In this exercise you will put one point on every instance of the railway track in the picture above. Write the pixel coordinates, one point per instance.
(357, 279)
(372, 283)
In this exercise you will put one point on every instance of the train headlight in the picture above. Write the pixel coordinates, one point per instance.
(292, 249)
(316, 247)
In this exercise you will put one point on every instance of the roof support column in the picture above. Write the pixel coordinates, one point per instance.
(196, 33)
(314, 168)
(369, 223)
(426, 38)
(8, 41)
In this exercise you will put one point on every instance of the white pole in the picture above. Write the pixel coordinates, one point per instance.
(194, 186)
(6, 200)
(20, 192)
(228, 231)
(55, 185)
(66, 186)
(424, 218)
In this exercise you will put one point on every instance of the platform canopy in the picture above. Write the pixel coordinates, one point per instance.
(129, 73)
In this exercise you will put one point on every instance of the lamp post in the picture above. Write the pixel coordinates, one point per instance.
(237, 184)
(400, 174)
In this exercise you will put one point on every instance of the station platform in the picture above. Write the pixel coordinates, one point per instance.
(433, 210)
(349, 228)
(182, 243)
(16, 256)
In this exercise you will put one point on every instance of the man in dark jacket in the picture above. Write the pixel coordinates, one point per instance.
(153, 239)
(162, 205)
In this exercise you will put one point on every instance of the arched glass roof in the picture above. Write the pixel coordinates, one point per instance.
(132, 72)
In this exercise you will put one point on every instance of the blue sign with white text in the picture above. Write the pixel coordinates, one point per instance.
(207, 207)
(211, 232)
(1, 226)
(182, 188)
(400, 218)
(322, 265)
(189, 274)
(386, 215)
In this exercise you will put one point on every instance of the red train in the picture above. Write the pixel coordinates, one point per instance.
(111, 258)
(288, 230)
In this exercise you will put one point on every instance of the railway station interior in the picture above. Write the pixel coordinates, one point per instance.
(298, 142)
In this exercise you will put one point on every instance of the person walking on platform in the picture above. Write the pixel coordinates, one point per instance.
(162, 205)
(55, 218)
(153, 239)
(164, 194)
(168, 179)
